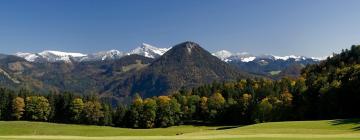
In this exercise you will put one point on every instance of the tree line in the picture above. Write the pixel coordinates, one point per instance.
(162, 111)
(63, 108)
(242, 102)
(324, 91)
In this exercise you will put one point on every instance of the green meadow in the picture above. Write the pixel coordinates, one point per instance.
(308, 130)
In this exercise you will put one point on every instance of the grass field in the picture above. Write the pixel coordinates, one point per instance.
(308, 130)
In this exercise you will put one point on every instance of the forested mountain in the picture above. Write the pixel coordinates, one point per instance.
(333, 85)
(186, 65)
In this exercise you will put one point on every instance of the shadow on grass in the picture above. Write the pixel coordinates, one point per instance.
(227, 127)
(219, 125)
(347, 121)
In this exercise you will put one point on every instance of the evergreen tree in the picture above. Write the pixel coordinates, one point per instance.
(133, 115)
(107, 119)
(119, 116)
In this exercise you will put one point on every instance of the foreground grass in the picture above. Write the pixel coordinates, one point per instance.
(42, 128)
(309, 130)
(324, 127)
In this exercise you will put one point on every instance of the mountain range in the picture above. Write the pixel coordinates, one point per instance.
(267, 65)
(57, 56)
(146, 70)
(147, 51)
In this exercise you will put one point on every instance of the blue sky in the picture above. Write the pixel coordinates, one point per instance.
(280, 27)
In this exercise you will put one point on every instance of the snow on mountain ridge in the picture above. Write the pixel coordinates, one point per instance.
(61, 54)
(223, 55)
(246, 57)
(149, 51)
(54, 56)
(28, 56)
(105, 55)
(297, 58)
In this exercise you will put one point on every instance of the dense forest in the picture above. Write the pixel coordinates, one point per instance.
(326, 90)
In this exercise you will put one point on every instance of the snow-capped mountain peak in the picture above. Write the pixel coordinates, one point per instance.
(31, 57)
(106, 55)
(53, 56)
(50, 56)
(149, 51)
(223, 55)
(227, 56)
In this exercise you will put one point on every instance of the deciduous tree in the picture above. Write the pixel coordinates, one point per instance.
(92, 112)
(76, 110)
(37, 108)
(18, 108)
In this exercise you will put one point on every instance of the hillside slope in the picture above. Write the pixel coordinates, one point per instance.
(333, 85)
(79, 77)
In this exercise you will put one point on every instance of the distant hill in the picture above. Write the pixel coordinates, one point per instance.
(274, 68)
(268, 65)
